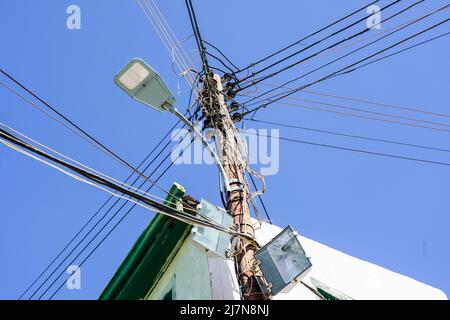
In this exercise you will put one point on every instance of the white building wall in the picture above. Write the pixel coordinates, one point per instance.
(187, 276)
(350, 276)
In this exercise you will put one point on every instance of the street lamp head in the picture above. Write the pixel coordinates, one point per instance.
(144, 84)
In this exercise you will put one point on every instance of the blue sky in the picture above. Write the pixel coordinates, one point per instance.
(391, 212)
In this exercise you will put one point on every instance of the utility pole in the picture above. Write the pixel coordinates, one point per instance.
(232, 162)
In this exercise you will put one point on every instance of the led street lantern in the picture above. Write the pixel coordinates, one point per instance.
(144, 84)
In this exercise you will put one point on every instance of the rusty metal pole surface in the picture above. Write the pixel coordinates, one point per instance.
(237, 198)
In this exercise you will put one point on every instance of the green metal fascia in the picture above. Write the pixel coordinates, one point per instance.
(152, 252)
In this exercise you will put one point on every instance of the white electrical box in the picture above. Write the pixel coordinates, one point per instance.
(212, 240)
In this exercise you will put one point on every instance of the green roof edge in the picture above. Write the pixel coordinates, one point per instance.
(123, 285)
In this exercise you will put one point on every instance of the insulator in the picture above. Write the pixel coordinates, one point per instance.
(226, 77)
(231, 94)
(234, 106)
(230, 86)
(236, 117)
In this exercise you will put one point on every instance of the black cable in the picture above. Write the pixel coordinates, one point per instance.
(345, 68)
(93, 177)
(316, 43)
(198, 37)
(221, 62)
(395, 53)
(117, 224)
(98, 211)
(261, 200)
(325, 49)
(110, 219)
(349, 135)
(162, 207)
(221, 53)
(98, 222)
(344, 56)
(98, 143)
(355, 150)
(307, 37)
(222, 197)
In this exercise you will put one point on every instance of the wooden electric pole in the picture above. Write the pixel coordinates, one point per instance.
(237, 196)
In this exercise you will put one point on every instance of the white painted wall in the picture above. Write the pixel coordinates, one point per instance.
(187, 275)
(350, 276)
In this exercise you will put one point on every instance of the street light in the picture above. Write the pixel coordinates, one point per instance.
(145, 85)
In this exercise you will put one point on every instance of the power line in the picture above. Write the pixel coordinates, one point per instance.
(115, 225)
(359, 109)
(106, 224)
(101, 229)
(101, 208)
(395, 53)
(396, 29)
(165, 209)
(198, 37)
(349, 114)
(329, 95)
(175, 213)
(99, 144)
(354, 150)
(221, 53)
(350, 135)
(306, 37)
(316, 43)
(345, 68)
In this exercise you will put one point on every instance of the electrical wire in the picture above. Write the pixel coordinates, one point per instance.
(395, 53)
(355, 150)
(381, 104)
(345, 68)
(98, 181)
(101, 208)
(175, 213)
(349, 135)
(104, 226)
(396, 29)
(349, 114)
(307, 37)
(318, 42)
(98, 144)
(221, 53)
